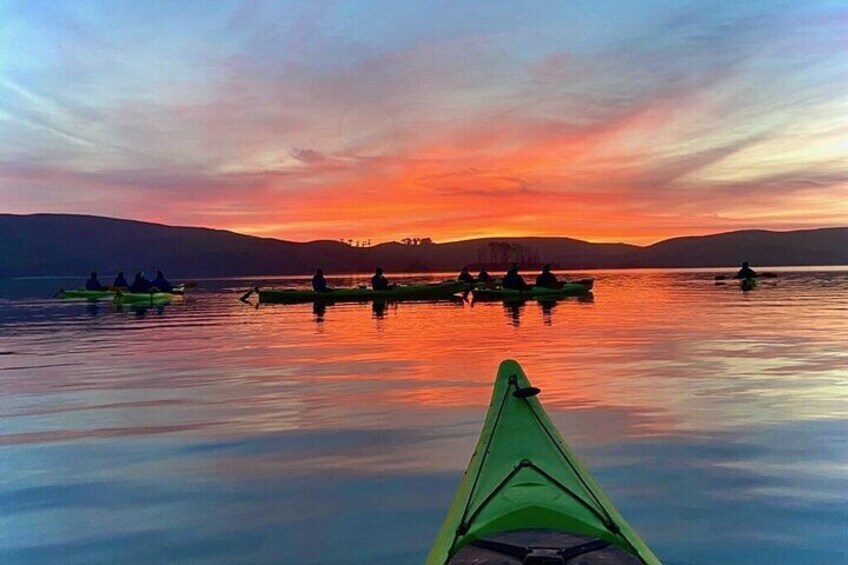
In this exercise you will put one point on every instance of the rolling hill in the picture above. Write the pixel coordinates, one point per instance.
(61, 244)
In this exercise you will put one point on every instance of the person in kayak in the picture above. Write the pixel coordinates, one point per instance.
(161, 283)
(379, 281)
(465, 276)
(746, 272)
(120, 281)
(92, 283)
(547, 279)
(512, 280)
(484, 276)
(319, 283)
(140, 283)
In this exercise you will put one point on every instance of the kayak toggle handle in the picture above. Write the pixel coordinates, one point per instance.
(543, 556)
(526, 392)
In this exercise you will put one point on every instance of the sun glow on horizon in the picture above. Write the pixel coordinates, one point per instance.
(302, 124)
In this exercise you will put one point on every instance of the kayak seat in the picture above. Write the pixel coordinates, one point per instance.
(542, 547)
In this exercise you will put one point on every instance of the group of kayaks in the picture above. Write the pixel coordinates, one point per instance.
(123, 296)
(526, 499)
(435, 291)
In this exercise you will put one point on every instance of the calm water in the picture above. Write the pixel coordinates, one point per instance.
(213, 431)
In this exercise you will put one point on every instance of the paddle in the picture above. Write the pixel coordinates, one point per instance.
(249, 293)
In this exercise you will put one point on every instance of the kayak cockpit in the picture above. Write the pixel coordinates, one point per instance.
(542, 547)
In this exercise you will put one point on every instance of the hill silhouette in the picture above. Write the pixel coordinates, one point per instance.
(64, 244)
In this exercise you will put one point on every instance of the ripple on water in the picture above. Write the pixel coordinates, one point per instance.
(211, 430)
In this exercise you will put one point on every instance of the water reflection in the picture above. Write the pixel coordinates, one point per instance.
(547, 307)
(215, 432)
(92, 307)
(378, 308)
(514, 310)
(319, 309)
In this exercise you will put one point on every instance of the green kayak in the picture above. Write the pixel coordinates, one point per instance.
(535, 292)
(748, 284)
(111, 293)
(82, 293)
(525, 498)
(118, 296)
(143, 297)
(409, 292)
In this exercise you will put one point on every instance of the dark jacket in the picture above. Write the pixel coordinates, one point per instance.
(162, 284)
(547, 280)
(466, 277)
(746, 273)
(140, 284)
(379, 282)
(514, 281)
(319, 283)
(93, 284)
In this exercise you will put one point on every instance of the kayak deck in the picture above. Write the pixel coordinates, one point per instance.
(522, 477)
(535, 292)
(410, 292)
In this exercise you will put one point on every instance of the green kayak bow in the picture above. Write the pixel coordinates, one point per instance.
(523, 485)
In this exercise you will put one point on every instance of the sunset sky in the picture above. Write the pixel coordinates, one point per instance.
(607, 121)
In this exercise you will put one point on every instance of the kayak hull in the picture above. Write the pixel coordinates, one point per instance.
(112, 293)
(117, 296)
(535, 292)
(748, 284)
(143, 297)
(410, 292)
(90, 294)
(524, 477)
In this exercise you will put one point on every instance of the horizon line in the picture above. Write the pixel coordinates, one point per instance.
(433, 242)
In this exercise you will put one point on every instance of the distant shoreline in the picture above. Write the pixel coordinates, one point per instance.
(45, 244)
(405, 275)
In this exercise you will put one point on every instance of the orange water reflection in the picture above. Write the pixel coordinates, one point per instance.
(679, 351)
(690, 354)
